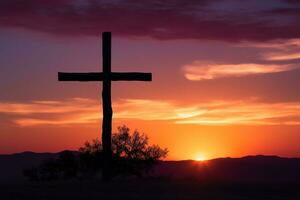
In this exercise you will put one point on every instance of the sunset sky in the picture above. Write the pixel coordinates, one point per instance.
(226, 74)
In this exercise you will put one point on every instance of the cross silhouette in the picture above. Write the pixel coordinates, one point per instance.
(106, 77)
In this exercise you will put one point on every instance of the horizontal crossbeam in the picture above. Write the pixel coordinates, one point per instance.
(98, 76)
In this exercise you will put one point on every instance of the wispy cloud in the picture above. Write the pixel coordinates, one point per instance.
(287, 44)
(284, 56)
(200, 71)
(277, 50)
(87, 111)
(153, 110)
(248, 113)
(48, 107)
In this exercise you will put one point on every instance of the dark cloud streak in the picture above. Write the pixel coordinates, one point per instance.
(157, 19)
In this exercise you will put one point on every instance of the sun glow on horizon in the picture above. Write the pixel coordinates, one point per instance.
(200, 158)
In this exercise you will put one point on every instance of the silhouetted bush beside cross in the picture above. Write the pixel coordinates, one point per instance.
(132, 155)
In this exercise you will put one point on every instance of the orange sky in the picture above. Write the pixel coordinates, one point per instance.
(209, 130)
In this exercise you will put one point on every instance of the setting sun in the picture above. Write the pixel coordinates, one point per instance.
(200, 158)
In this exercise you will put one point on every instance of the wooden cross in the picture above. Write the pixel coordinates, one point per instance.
(106, 77)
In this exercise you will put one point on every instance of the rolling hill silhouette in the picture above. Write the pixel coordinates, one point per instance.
(250, 169)
(254, 169)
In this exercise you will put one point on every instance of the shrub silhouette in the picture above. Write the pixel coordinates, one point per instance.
(64, 167)
(132, 155)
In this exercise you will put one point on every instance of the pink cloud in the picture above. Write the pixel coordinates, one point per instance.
(198, 71)
(282, 56)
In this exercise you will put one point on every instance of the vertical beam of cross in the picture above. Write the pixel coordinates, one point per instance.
(106, 105)
(106, 76)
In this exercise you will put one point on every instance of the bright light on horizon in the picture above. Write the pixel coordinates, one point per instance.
(200, 158)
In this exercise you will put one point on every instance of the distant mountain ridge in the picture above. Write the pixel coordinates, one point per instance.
(258, 168)
(12, 165)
